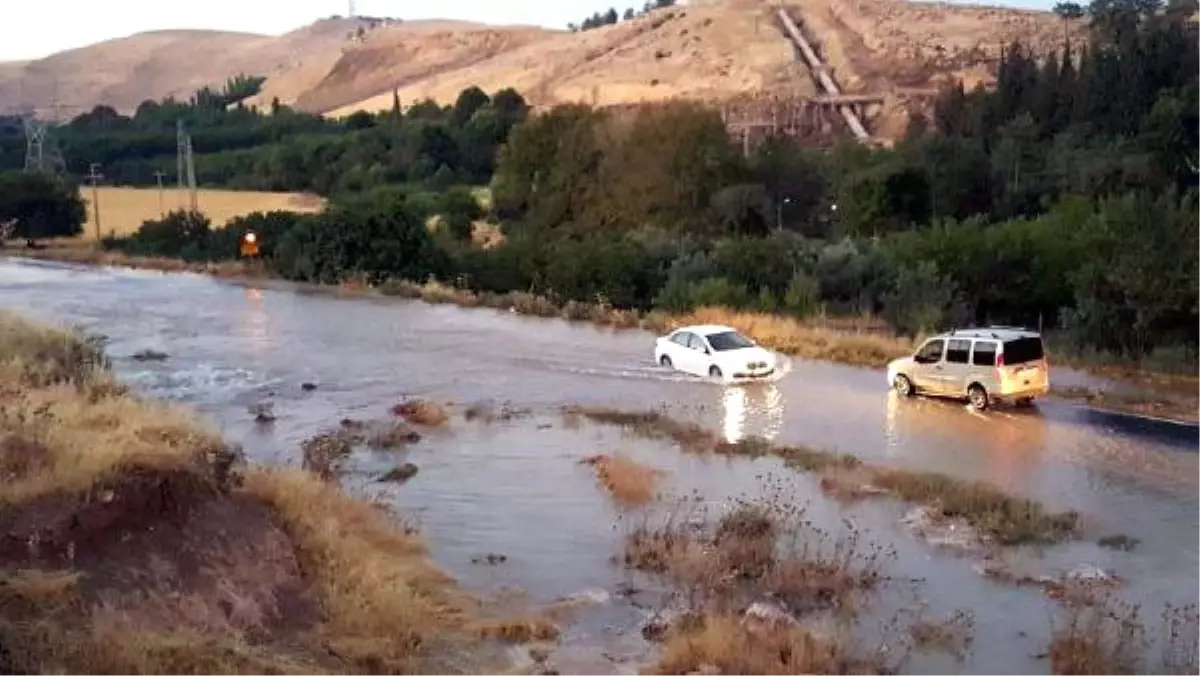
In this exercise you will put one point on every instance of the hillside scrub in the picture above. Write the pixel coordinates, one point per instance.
(157, 551)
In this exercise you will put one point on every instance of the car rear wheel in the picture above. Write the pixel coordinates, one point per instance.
(903, 386)
(665, 361)
(714, 372)
(978, 397)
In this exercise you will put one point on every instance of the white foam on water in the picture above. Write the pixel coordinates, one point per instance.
(202, 382)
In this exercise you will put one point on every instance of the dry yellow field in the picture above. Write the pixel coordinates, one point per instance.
(123, 210)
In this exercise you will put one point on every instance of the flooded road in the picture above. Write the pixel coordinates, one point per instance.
(517, 488)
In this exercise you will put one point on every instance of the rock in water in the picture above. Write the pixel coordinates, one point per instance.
(400, 474)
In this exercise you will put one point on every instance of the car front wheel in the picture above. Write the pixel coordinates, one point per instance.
(903, 386)
(665, 361)
(715, 372)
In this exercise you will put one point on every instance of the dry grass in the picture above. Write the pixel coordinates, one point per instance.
(522, 630)
(158, 553)
(385, 602)
(86, 253)
(811, 342)
(123, 210)
(726, 645)
(1098, 634)
(714, 50)
(625, 479)
(757, 589)
(422, 412)
(953, 635)
(1006, 519)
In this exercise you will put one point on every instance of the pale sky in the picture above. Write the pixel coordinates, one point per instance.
(37, 28)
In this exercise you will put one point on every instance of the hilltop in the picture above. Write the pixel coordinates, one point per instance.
(714, 50)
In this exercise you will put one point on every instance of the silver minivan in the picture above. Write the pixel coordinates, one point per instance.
(981, 365)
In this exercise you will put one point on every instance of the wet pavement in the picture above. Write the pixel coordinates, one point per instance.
(516, 487)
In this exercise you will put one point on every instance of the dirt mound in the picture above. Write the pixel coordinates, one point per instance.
(148, 551)
(132, 540)
(715, 50)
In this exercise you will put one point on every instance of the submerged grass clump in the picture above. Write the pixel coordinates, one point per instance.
(758, 589)
(627, 480)
(1006, 519)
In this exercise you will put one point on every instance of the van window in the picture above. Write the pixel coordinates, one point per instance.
(930, 352)
(958, 351)
(1023, 350)
(985, 353)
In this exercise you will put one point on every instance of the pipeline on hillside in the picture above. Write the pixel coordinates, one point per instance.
(822, 74)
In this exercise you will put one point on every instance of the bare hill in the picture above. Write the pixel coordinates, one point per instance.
(711, 49)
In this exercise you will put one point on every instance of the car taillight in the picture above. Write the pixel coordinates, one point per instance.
(1000, 360)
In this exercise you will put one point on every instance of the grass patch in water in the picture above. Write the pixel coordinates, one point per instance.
(627, 480)
(1007, 519)
(757, 590)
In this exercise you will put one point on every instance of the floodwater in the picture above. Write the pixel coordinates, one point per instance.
(516, 487)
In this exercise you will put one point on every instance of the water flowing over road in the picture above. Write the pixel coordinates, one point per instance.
(517, 487)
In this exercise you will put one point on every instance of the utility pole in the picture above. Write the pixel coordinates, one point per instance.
(158, 176)
(94, 175)
(191, 176)
(184, 162)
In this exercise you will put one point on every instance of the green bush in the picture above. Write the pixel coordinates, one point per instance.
(375, 237)
(179, 234)
(803, 296)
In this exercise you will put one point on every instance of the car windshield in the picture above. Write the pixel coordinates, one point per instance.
(729, 340)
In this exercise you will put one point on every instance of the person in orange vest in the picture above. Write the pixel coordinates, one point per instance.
(249, 246)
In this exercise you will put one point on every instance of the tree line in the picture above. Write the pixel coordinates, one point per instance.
(598, 19)
(280, 149)
(1065, 198)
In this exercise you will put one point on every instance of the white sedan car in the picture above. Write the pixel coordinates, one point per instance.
(715, 351)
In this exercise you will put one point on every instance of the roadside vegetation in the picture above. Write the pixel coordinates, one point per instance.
(140, 543)
(1060, 199)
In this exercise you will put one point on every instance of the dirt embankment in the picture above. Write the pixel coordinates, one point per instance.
(135, 541)
(715, 51)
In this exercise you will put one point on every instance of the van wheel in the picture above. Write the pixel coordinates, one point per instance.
(714, 372)
(903, 385)
(978, 397)
(665, 361)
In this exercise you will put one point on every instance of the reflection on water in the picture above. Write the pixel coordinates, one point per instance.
(254, 322)
(752, 410)
(1005, 444)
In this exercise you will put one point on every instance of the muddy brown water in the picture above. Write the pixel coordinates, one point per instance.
(515, 487)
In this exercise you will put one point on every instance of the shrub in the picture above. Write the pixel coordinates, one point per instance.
(179, 234)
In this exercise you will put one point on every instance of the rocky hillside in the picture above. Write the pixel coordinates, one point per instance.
(714, 49)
